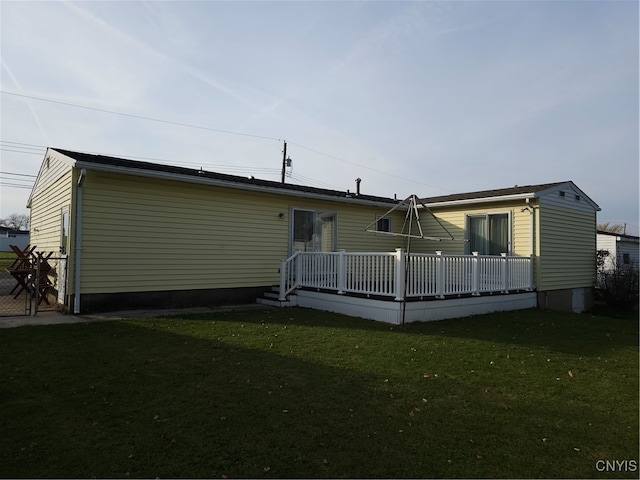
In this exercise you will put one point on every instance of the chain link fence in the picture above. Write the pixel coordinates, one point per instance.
(31, 281)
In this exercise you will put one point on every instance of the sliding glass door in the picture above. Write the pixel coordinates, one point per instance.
(313, 231)
(489, 234)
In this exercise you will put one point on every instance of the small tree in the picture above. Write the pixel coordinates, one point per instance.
(612, 228)
(16, 221)
(620, 284)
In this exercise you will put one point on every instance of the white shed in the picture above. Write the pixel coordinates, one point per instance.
(623, 249)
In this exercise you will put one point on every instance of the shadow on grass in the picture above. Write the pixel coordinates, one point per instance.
(581, 334)
(588, 334)
(169, 399)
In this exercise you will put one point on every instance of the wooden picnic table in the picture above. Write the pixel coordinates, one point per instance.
(24, 269)
(21, 268)
(44, 282)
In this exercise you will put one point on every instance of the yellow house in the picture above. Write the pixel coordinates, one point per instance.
(553, 223)
(139, 235)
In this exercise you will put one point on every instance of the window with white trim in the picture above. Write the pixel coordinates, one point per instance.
(489, 234)
(313, 231)
(383, 224)
(64, 230)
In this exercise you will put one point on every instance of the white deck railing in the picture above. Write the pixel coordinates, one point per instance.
(398, 275)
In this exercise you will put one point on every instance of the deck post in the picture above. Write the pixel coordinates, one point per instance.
(342, 272)
(530, 273)
(505, 273)
(283, 281)
(475, 274)
(439, 274)
(399, 284)
(299, 278)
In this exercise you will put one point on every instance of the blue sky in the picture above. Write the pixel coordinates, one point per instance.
(413, 97)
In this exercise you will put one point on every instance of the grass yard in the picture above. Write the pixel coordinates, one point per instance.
(6, 259)
(306, 394)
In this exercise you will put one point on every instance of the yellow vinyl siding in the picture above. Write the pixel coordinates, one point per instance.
(46, 208)
(144, 234)
(567, 248)
(454, 220)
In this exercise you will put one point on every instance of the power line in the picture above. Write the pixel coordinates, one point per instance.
(364, 166)
(140, 117)
(14, 185)
(21, 151)
(18, 174)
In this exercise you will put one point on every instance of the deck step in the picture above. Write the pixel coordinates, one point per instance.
(272, 298)
(276, 303)
(276, 296)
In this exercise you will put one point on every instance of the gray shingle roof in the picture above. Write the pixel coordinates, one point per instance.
(190, 172)
(500, 192)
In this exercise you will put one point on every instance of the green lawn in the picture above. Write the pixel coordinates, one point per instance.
(6, 259)
(306, 394)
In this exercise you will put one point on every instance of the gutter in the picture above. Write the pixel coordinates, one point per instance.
(78, 242)
(467, 201)
(348, 198)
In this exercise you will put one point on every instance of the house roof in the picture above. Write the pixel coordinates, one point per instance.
(103, 162)
(12, 231)
(504, 194)
(620, 236)
(171, 172)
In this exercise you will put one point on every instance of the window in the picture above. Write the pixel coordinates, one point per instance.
(313, 231)
(626, 258)
(383, 224)
(489, 234)
(64, 230)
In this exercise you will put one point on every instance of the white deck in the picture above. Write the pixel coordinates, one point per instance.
(390, 311)
(399, 275)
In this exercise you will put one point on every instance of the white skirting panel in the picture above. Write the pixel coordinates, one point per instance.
(422, 311)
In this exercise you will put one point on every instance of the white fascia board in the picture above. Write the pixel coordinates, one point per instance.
(223, 183)
(573, 187)
(53, 155)
(469, 201)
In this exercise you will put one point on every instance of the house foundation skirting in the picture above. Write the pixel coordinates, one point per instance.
(390, 311)
(576, 300)
(109, 302)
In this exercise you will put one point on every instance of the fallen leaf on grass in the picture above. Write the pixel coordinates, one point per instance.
(570, 373)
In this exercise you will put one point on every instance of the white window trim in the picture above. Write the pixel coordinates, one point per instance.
(315, 211)
(467, 228)
(65, 210)
(382, 217)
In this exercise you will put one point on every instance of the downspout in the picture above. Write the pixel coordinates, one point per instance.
(532, 239)
(531, 230)
(78, 242)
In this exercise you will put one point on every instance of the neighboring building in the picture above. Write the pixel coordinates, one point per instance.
(110, 216)
(623, 249)
(11, 236)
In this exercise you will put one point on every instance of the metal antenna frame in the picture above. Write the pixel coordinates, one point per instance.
(412, 210)
(412, 202)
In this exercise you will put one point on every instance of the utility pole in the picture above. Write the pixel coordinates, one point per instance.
(284, 160)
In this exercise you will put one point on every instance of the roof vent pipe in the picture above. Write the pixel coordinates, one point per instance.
(358, 180)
